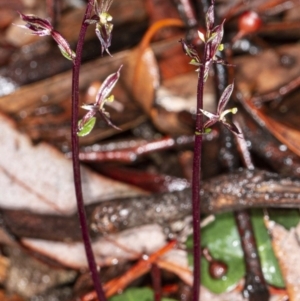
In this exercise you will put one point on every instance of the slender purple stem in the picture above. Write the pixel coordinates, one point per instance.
(156, 281)
(196, 182)
(75, 158)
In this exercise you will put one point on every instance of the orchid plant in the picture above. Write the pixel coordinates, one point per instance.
(98, 15)
(213, 44)
(104, 27)
(86, 124)
(212, 41)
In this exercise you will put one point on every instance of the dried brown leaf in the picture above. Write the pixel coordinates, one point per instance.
(39, 178)
(127, 245)
(287, 250)
(141, 75)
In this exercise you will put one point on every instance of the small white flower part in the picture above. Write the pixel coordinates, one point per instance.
(201, 36)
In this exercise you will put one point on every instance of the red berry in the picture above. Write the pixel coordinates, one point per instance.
(249, 22)
(217, 269)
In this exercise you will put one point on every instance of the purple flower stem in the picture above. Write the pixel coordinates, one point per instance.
(156, 281)
(75, 158)
(196, 178)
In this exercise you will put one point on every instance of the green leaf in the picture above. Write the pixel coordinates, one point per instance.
(137, 294)
(268, 260)
(222, 240)
(87, 128)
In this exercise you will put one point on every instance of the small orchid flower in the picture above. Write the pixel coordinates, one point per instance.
(104, 26)
(86, 124)
(192, 53)
(219, 116)
(43, 27)
(38, 26)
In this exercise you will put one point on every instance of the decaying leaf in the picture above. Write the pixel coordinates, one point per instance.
(263, 72)
(142, 76)
(287, 249)
(28, 276)
(127, 245)
(39, 178)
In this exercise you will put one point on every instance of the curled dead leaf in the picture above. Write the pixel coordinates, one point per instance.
(40, 179)
(142, 78)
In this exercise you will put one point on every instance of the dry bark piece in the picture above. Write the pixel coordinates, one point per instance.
(243, 189)
(238, 190)
(286, 247)
(39, 178)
